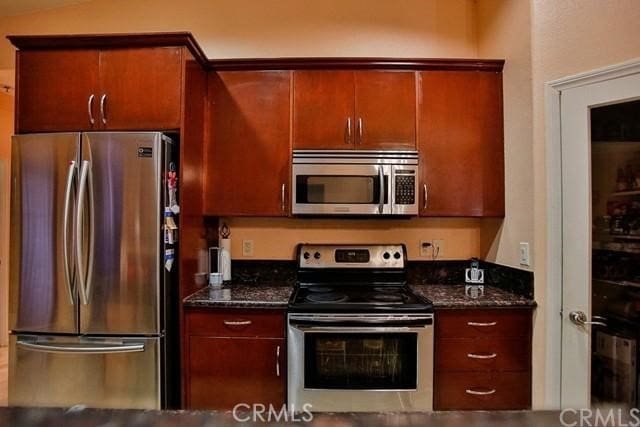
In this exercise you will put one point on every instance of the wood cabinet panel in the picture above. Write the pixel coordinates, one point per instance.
(322, 106)
(385, 105)
(143, 88)
(248, 151)
(236, 323)
(504, 323)
(460, 138)
(228, 371)
(483, 390)
(53, 90)
(482, 354)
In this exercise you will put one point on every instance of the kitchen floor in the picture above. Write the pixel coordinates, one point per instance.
(4, 374)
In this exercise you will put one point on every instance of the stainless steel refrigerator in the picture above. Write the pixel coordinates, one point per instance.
(92, 304)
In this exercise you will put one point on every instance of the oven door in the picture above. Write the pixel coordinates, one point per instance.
(341, 189)
(360, 364)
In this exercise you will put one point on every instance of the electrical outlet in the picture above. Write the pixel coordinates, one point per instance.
(425, 248)
(438, 248)
(524, 253)
(247, 248)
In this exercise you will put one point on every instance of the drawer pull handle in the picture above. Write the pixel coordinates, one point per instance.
(237, 322)
(481, 356)
(480, 393)
(482, 324)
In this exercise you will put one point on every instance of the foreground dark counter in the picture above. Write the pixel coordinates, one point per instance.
(240, 295)
(45, 417)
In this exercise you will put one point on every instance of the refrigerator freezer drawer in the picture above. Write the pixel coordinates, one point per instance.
(97, 372)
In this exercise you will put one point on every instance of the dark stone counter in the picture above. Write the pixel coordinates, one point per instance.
(241, 296)
(46, 417)
(453, 296)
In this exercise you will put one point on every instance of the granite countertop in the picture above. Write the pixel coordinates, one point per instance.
(242, 295)
(453, 296)
(272, 295)
(46, 417)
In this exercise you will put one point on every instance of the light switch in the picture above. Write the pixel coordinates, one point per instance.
(524, 253)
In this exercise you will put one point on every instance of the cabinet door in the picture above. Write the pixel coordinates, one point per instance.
(248, 152)
(385, 110)
(226, 371)
(323, 110)
(460, 139)
(142, 87)
(53, 90)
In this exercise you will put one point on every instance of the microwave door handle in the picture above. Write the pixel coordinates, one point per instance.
(381, 177)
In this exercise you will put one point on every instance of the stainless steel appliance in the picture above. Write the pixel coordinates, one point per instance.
(358, 338)
(91, 302)
(355, 182)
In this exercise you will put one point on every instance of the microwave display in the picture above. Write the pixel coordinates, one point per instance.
(339, 189)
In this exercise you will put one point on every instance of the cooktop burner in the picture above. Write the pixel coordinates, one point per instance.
(320, 289)
(325, 297)
(384, 297)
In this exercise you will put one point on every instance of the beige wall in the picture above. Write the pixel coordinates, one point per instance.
(6, 130)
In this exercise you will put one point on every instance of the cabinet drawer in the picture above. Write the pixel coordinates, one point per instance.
(482, 323)
(493, 390)
(236, 323)
(482, 354)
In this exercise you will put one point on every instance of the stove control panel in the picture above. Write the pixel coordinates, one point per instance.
(352, 256)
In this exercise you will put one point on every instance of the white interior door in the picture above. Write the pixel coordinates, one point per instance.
(576, 104)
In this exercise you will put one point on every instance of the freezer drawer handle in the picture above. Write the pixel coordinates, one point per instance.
(82, 348)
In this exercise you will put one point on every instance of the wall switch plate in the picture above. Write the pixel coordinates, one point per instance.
(438, 248)
(247, 248)
(524, 253)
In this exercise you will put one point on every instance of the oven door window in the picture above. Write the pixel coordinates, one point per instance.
(354, 361)
(340, 189)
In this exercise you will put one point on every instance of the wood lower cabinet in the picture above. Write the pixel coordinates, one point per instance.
(248, 150)
(354, 110)
(482, 359)
(234, 356)
(460, 139)
(99, 89)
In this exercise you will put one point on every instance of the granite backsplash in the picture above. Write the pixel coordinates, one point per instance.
(451, 272)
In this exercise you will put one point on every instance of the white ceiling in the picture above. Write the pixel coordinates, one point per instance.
(19, 7)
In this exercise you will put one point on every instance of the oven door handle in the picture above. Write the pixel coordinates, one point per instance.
(356, 321)
(361, 329)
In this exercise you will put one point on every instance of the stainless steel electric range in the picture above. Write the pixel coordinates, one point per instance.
(358, 338)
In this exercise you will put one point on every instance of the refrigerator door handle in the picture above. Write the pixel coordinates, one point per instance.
(84, 277)
(65, 233)
(80, 348)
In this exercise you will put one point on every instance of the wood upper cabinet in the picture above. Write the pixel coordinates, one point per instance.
(94, 89)
(323, 110)
(385, 110)
(234, 356)
(348, 110)
(53, 90)
(248, 150)
(460, 139)
(142, 88)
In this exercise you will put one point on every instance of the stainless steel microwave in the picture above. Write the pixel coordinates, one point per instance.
(354, 182)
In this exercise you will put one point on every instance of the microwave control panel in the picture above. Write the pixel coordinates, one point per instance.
(405, 188)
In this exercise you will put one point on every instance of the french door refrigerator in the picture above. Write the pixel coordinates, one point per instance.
(91, 310)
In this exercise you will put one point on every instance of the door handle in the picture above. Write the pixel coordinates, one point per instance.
(360, 128)
(277, 361)
(103, 100)
(347, 139)
(381, 202)
(425, 193)
(80, 348)
(90, 108)
(579, 318)
(65, 229)
(84, 277)
(282, 195)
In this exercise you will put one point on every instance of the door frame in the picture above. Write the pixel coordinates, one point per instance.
(553, 161)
